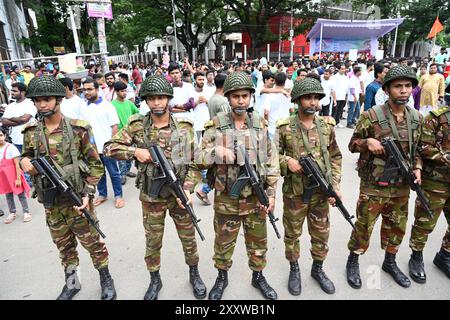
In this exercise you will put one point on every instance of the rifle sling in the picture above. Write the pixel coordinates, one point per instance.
(323, 147)
(68, 138)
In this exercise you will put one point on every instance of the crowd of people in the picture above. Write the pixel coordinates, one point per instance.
(121, 109)
(350, 87)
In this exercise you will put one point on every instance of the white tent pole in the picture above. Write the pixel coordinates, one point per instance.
(320, 42)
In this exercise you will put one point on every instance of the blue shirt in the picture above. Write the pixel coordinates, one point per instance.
(371, 91)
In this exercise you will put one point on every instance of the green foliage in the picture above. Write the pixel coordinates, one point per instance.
(52, 29)
(135, 22)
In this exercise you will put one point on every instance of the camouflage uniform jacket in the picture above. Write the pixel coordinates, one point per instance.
(220, 131)
(176, 139)
(435, 145)
(291, 145)
(60, 149)
(371, 167)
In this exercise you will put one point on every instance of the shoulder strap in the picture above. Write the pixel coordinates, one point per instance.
(293, 123)
(146, 125)
(381, 117)
(447, 114)
(6, 149)
(67, 128)
(320, 124)
(39, 136)
(224, 121)
(256, 121)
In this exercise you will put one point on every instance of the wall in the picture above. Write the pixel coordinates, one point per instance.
(15, 27)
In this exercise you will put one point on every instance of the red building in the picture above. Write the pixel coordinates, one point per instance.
(275, 24)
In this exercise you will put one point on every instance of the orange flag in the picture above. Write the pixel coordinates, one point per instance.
(435, 29)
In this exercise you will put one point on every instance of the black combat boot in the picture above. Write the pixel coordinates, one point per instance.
(72, 286)
(319, 275)
(154, 287)
(197, 283)
(390, 266)
(220, 285)
(295, 280)
(416, 267)
(107, 284)
(442, 261)
(353, 276)
(259, 282)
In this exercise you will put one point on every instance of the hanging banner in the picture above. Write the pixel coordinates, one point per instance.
(338, 45)
(100, 10)
(379, 55)
(353, 54)
(68, 63)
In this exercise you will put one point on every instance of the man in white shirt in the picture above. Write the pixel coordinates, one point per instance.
(201, 97)
(341, 82)
(9, 82)
(354, 92)
(108, 91)
(330, 95)
(71, 104)
(130, 91)
(210, 86)
(18, 113)
(262, 91)
(103, 118)
(289, 84)
(276, 105)
(182, 102)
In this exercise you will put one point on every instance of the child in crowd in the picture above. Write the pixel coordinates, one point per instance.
(12, 179)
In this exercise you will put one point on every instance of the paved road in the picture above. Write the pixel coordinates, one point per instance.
(30, 267)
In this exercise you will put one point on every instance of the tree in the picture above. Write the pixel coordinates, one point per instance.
(135, 23)
(419, 17)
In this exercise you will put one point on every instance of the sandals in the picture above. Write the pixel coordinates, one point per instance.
(98, 201)
(10, 218)
(27, 217)
(119, 203)
(204, 198)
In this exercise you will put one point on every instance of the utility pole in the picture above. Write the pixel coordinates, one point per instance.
(74, 30)
(175, 39)
(291, 34)
(100, 29)
(279, 39)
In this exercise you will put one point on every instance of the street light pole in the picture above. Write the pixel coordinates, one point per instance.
(175, 32)
(74, 30)
(292, 36)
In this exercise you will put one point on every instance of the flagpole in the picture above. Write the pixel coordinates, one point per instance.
(432, 48)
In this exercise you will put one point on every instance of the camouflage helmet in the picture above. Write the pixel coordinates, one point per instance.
(400, 72)
(156, 86)
(45, 86)
(306, 86)
(237, 81)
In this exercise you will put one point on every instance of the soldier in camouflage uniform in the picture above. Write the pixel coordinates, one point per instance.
(435, 153)
(176, 138)
(69, 144)
(302, 135)
(395, 120)
(219, 155)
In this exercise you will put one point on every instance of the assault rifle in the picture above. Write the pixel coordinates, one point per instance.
(396, 164)
(317, 180)
(60, 186)
(247, 175)
(167, 176)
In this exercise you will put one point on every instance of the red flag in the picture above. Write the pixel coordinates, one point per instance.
(435, 29)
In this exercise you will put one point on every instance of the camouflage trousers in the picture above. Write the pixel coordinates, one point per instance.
(438, 195)
(294, 213)
(394, 212)
(66, 226)
(227, 228)
(154, 214)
